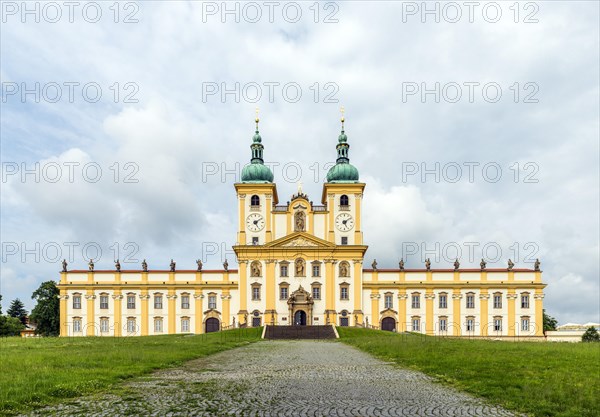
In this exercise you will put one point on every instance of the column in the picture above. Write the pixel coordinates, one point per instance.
(484, 321)
(91, 320)
(375, 296)
(329, 292)
(269, 215)
(226, 297)
(243, 291)
(357, 232)
(271, 312)
(144, 297)
(118, 316)
(198, 309)
(402, 297)
(429, 297)
(539, 312)
(242, 220)
(511, 298)
(172, 299)
(330, 225)
(64, 327)
(358, 292)
(457, 321)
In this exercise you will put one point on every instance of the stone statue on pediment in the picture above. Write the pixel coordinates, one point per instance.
(511, 265)
(118, 266)
(226, 265)
(456, 264)
(91, 265)
(536, 265)
(64, 265)
(401, 264)
(482, 264)
(172, 265)
(428, 264)
(199, 264)
(144, 266)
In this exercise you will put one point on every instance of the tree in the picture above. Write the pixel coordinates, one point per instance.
(17, 309)
(0, 304)
(10, 326)
(549, 322)
(46, 313)
(591, 335)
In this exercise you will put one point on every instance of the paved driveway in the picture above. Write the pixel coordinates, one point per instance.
(283, 378)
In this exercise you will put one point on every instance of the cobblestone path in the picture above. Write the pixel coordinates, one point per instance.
(282, 378)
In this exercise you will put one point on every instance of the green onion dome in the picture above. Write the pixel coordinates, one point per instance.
(257, 171)
(342, 171)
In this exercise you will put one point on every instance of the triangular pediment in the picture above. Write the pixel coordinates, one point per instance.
(300, 240)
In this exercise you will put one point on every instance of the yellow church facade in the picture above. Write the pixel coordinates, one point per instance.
(302, 263)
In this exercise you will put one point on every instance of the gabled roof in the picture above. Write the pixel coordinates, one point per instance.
(300, 240)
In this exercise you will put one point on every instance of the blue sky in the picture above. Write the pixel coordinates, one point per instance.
(172, 136)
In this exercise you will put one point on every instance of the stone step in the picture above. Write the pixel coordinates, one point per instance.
(300, 332)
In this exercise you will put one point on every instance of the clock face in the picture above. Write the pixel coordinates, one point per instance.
(255, 222)
(344, 222)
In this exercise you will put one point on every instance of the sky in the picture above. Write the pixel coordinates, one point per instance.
(474, 125)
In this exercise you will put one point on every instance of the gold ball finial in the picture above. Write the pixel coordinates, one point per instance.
(342, 119)
(257, 119)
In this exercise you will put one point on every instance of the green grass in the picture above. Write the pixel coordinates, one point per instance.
(537, 378)
(38, 372)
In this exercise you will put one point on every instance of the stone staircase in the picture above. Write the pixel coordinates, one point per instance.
(300, 332)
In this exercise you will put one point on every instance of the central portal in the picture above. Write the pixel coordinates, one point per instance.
(300, 318)
(300, 306)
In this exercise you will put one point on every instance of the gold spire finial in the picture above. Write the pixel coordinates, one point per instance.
(343, 119)
(257, 119)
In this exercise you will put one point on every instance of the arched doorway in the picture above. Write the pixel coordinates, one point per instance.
(300, 318)
(389, 324)
(211, 325)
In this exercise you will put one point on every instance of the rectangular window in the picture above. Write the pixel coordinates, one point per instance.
(131, 302)
(443, 301)
(525, 301)
(498, 324)
(443, 325)
(497, 300)
(284, 271)
(103, 325)
(470, 325)
(104, 302)
(283, 293)
(344, 240)
(316, 293)
(525, 325)
(254, 240)
(415, 301)
(416, 325)
(389, 301)
(185, 325)
(77, 302)
(256, 293)
(158, 302)
(131, 325)
(470, 301)
(185, 301)
(212, 302)
(343, 293)
(77, 326)
(158, 327)
(316, 270)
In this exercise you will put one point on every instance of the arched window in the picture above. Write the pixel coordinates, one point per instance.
(255, 201)
(344, 200)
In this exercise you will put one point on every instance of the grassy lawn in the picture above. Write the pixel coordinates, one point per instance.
(36, 372)
(540, 379)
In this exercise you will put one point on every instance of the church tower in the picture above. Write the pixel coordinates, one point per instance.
(342, 193)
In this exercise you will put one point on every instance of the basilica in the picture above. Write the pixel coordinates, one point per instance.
(302, 263)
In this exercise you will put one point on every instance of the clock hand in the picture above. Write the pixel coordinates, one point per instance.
(255, 222)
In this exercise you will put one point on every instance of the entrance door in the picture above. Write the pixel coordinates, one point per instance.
(300, 318)
(388, 324)
(211, 325)
(255, 321)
